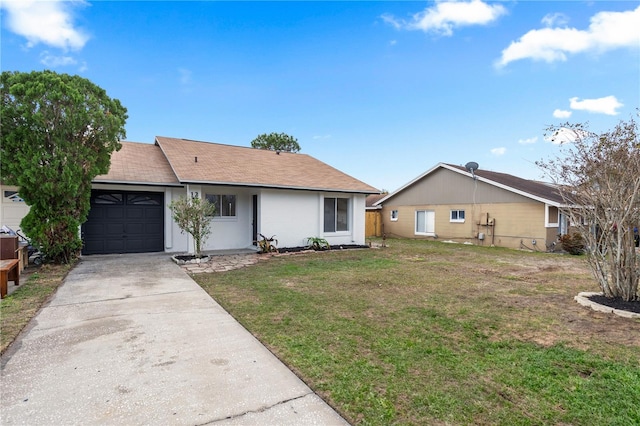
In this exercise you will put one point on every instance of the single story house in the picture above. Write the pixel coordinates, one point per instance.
(291, 196)
(482, 207)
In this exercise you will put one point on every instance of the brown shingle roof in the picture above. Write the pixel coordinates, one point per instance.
(538, 189)
(373, 198)
(235, 165)
(139, 163)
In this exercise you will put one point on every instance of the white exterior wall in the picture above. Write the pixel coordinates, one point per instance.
(227, 233)
(294, 216)
(359, 218)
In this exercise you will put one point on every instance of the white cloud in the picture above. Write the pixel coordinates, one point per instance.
(447, 15)
(560, 113)
(528, 141)
(47, 22)
(319, 137)
(607, 31)
(54, 61)
(607, 105)
(555, 20)
(498, 151)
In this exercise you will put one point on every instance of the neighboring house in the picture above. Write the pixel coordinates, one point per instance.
(291, 196)
(488, 208)
(12, 207)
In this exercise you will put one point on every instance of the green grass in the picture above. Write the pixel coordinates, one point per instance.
(431, 333)
(24, 303)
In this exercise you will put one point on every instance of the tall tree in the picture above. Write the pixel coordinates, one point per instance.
(276, 142)
(598, 176)
(58, 132)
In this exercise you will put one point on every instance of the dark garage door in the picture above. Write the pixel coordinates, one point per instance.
(124, 222)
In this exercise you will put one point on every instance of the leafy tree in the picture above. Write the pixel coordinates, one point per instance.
(599, 178)
(276, 142)
(194, 217)
(58, 132)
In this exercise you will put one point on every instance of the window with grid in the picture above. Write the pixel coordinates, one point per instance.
(457, 216)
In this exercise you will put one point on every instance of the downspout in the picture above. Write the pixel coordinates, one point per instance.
(168, 222)
(189, 238)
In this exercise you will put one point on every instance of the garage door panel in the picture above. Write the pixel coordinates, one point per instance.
(114, 213)
(154, 228)
(111, 229)
(154, 214)
(135, 212)
(93, 246)
(93, 228)
(124, 222)
(135, 228)
(114, 246)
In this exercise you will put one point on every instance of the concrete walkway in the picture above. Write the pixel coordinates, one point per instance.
(132, 340)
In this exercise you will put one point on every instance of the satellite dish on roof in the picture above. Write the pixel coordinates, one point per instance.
(471, 167)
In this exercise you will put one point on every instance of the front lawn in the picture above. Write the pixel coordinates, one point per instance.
(425, 332)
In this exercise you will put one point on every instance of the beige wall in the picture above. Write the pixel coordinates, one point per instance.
(513, 223)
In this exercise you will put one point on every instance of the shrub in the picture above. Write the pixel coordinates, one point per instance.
(573, 243)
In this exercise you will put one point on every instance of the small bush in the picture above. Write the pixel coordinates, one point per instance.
(317, 243)
(572, 243)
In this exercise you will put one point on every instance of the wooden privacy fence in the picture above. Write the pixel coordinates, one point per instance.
(373, 223)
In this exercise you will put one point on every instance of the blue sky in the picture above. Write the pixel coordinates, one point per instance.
(380, 90)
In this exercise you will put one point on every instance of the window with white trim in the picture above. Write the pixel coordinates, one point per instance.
(456, 216)
(225, 204)
(336, 214)
(394, 215)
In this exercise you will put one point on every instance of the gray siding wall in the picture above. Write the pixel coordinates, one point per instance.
(446, 187)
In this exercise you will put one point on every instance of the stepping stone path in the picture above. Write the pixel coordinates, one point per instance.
(222, 263)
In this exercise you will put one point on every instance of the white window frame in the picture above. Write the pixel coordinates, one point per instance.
(457, 214)
(335, 216)
(549, 221)
(425, 231)
(218, 214)
(394, 215)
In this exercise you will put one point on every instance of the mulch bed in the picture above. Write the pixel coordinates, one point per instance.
(616, 303)
(337, 247)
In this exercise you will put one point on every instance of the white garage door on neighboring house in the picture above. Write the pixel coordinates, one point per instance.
(124, 222)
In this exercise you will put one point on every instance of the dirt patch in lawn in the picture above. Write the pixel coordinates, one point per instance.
(549, 286)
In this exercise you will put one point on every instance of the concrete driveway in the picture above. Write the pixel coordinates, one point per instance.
(133, 340)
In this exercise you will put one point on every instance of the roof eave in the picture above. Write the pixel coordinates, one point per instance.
(485, 180)
(403, 187)
(271, 186)
(129, 182)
